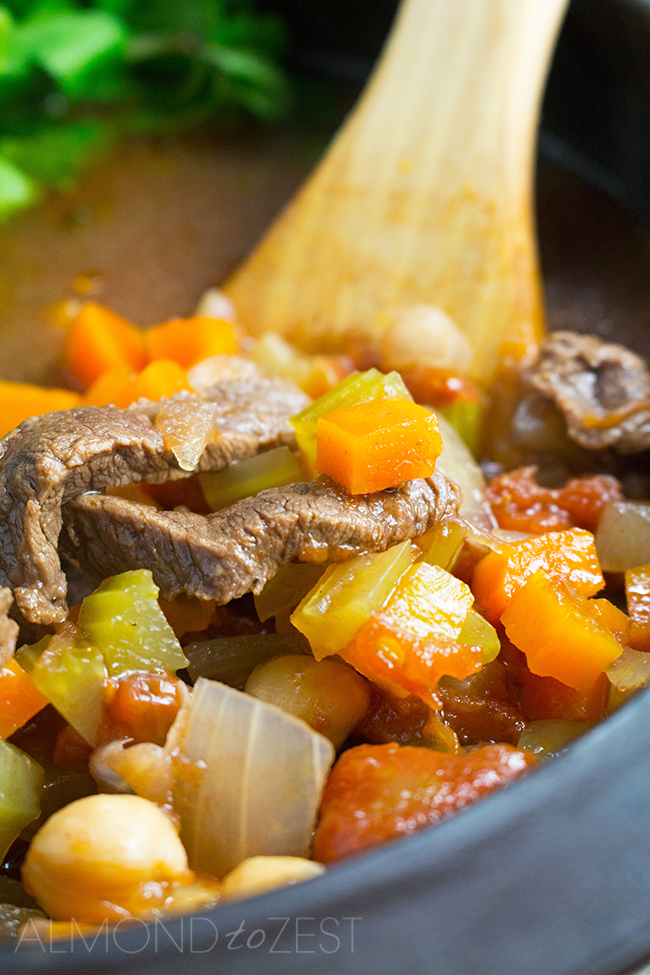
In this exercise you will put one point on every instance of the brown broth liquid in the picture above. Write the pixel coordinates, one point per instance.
(155, 223)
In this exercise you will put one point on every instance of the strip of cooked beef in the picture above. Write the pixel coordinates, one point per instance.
(50, 459)
(8, 628)
(602, 389)
(234, 551)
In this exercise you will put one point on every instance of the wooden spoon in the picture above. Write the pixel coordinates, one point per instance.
(425, 195)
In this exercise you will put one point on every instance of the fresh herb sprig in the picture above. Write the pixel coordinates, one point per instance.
(75, 76)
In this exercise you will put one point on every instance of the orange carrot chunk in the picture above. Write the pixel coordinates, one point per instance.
(99, 340)
(569, 556)
(160, 378)
(559, 633)
(378, 444)
(190, 340)
(19, 699)
(19, 401)
(408, 644)
(109, 387)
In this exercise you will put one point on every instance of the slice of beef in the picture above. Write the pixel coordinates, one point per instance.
(602, 389)
(8, 628)
(50, 459)
(226, 554)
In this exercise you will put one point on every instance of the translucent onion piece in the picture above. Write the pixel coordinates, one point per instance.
(425, 335)
(187, 424)
(630, 671)
(21, 784)
(259, 782)
(623, 535)
(458, 465)
(144, 770)
(230, 659)
(347, 595)
(551, 736)
(248, 477)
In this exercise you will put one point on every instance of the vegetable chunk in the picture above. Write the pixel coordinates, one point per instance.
(378, 444)
(559, 633)
(377, 793)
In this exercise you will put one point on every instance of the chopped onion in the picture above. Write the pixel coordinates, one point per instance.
(458, 465)
(630, 671)
(187, 425)
(231, 659)
(623, 535)
(551, 736)
(253, 781)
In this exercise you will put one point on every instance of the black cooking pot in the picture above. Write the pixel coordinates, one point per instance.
(551, 877)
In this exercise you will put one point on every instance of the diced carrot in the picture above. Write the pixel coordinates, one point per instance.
(546, 697)
(163, 377)
(569, 556)
(187, 615)
(19, 699)
(109, 388)
(99, 340)
(411, 642)
(637, 588)
(378, 444)
(190, 340)
(613, 618)
(559, 633)
(19, 401)
(377, 793)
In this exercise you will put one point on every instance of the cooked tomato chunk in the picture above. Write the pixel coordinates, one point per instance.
(381, 792)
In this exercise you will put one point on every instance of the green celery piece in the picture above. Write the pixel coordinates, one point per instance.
(17, 190)
(359, 387)
(70, 672)
(466, 418)
(21, 782)
(124, 619)
(442, 543)
(70, 43)
(282, 593)
(230, 659)
(477, 632)
(347, 595)
(248, 477)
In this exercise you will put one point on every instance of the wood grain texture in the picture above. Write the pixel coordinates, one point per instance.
(425, 194)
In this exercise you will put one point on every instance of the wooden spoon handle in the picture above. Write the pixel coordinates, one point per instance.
(425, 194)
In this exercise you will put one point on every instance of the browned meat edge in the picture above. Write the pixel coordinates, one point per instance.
(602, 389)
(224, 555)
(8, 628)
(49, 460)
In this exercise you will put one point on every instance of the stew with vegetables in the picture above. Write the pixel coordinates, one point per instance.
(263, 611)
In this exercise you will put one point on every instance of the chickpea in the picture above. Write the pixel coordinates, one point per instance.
(329, 695)
(259, 874)
(105, 856)
(425, 335)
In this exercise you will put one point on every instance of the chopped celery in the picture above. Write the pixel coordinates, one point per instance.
(248, 477)
(69, 671)
(347, 595)
(442, 543)
(357, 388)
(458, 465)
(124, 619)
(477, 632)
(230, 659)
(465, 416)
(286, 589)
(21, 782)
